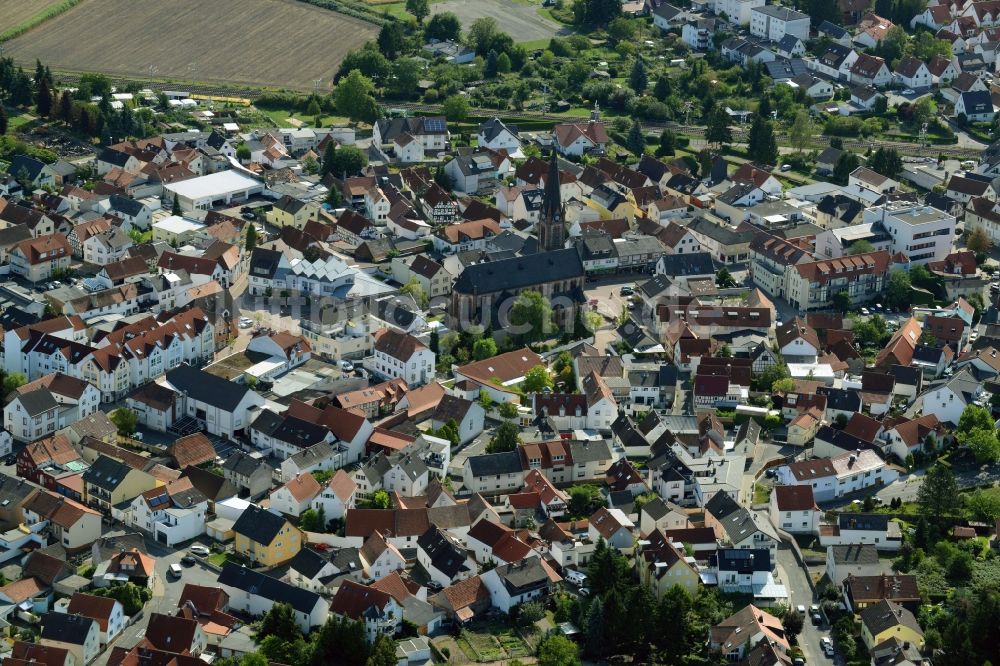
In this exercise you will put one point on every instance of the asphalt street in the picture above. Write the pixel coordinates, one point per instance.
(166, 591)
(795, 580)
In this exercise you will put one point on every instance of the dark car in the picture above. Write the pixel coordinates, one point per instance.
(189, 560)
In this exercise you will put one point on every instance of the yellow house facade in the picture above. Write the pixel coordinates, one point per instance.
(662, 566)
(265, 538)
(887, 619)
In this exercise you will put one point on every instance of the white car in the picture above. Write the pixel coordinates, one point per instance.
(907, 92)
(246, 322)
(865, 311)
(199, 549)
(346, 366)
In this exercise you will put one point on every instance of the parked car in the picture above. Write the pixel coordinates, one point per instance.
(176, 571)
(347, 366)
(189, 560)
(786, 167)
(201, 550)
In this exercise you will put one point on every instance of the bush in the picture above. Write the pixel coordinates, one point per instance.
(838, 126)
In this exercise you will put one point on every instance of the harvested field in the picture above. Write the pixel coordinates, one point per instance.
(14, 12)
(520, 21)
(276, 43)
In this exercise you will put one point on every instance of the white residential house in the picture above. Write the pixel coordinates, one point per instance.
(296, 496)
(976, 106)
(947, 401)
(792, 509)
(48, 404)
(337, 496)
(401, 355)
(496, 135)
(840, 475)
(738, 11)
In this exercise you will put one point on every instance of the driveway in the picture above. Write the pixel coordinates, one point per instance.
(800, 594)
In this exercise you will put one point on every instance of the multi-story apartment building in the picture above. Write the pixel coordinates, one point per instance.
(923, 233)
(813, 285)
(773, 22)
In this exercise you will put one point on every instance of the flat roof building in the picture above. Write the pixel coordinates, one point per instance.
(215, 189)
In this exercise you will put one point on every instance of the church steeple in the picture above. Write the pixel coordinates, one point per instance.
(551, 229)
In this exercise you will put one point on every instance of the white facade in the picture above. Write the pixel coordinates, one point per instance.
(772, 22)
(738, 11)
(417, 370)
(25, 426)
(922, 233)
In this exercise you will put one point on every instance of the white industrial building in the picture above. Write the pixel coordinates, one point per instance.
(215, 189)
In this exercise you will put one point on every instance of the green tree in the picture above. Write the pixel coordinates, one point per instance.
(978, 241)
(279, 621)
(557, 650)
(718, 132)
(537, 379)
(622, 29)
(131, 596)
(860, 247)
(419, 8)
(443, 26)
(485, 399)
(984, 506)
(483, 35)
(243, 152)
(450, 432)
(13, 381)
(384, 648)
(340, 641)
(490, 68)
(125, 420)
(793, 622)
(668, 144)
(43, 100)
(801, 131)
(842, 301)
(938, 493)
(353, 97)
(724, 279)
(313, 520)
(983, 443)
(484, 348)
(414, 289)
(4, 120)
(974, 417)
(456, 108)
(250, 238)
(312, 109)
(347, 160)
(380, 499)
(638, 78)
(508, 410)
(506, 438)
(503, 63)
(175, 209)
(762, 147)
(531, 316)
(898, 290)
(786, 385)
(584, 499)
(636, 140)
(886, 161)
(846, 163)
(390, 42)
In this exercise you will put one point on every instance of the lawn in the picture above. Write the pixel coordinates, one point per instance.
(761, 493)
(219, 559)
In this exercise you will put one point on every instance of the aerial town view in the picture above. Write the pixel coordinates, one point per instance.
(500, 332)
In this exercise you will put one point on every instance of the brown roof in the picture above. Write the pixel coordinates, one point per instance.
(353, 599)
(57, 383)
(913, 431)
(394, 586)
(805, 470)
(205, 598)
(794, 329)
(868, 589)
(41, 654)
(397, 344)
(46, 568)
(472, 230)
(169, 632)
(55, 449)
(794, 498)
(848, 267)
(342, 485)
(505, 367)
(462, 594)
(567, 133)
(899, 349)
(863, 427)
(303, 487)
(96, 608)
(44, 248)
(194, 449)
